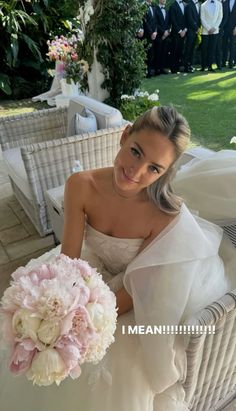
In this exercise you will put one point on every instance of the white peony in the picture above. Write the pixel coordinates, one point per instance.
(233, 140)
(25, 324)
(47, 367)
(96, 314)
(49, 331)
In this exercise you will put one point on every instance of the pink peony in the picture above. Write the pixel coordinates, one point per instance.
(22, 356)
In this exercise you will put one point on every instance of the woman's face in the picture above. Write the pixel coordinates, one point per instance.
(143, 158)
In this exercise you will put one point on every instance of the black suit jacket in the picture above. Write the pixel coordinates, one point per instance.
(149, 22)
(192, 17)
(231, 23)
(177, 18)
(225, 6)
(162, 24)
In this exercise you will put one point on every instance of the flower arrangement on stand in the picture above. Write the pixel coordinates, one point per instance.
(70, 69)
(55, 317)
(134, 105)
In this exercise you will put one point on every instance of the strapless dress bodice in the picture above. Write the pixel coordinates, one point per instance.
(115, 253)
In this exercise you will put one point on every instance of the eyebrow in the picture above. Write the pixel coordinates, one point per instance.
(155, 164)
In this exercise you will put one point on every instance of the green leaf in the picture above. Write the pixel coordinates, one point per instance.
(5, 84)
(32, 46)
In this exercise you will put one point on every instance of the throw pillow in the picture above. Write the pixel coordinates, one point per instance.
(85, 122)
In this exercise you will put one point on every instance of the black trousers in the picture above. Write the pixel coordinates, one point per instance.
(191, 38)
(150, 57)
(209, 42)
(160, 53)
(229, 47)
(219, 49)
(177, 47)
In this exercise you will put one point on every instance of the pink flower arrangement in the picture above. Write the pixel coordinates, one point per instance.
(56, 317)
(65, 50)
(60, 48)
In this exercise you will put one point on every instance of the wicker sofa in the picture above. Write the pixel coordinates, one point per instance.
(210, 382)
(39, 155)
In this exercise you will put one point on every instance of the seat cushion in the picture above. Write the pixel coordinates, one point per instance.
(16, 170)
(106, 116)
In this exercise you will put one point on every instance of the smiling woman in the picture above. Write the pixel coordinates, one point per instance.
(161, 262)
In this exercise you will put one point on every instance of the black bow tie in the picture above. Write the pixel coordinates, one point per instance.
(181, 1)
(163, 7)
(212, 1)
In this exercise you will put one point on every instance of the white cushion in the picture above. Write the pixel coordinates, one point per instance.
(16, 170)
(86, 122)
(106, 116)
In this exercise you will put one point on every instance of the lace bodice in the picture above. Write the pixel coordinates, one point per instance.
(115, 253)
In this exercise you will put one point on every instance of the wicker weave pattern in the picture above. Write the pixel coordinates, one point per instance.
(43, 125)
(48, 164)
(211, 359)
(49, 156)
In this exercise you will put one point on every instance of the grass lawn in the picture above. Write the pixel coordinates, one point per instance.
(208, 101)
(14, 107)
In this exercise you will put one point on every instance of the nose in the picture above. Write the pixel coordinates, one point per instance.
(136, 171)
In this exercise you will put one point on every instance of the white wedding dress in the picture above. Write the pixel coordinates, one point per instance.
(135, 367)
(179, 273)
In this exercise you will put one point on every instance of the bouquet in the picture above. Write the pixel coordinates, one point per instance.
(66, 51)
(56, 317)
(60, 48)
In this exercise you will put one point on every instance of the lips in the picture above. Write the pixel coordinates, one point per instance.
(130, 179)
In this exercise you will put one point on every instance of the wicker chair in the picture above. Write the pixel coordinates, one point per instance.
(210, 383)
(48, 156)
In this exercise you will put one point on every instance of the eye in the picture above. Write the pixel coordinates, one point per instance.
(135, 152)
(154, 169)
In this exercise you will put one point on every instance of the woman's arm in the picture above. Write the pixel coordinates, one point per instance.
(74, 215)
(124, 302)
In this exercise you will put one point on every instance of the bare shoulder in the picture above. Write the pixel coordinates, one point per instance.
(84, 183)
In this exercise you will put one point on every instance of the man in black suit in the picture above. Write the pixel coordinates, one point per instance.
(161, 42)
(178, 33)
(150, 33)
(193, 24)
(229, 40)
(219, 45)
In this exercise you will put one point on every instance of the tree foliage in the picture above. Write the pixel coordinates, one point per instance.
(25, 27)
(112, 31)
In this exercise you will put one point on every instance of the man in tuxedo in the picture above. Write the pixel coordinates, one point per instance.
(178, 33)
(150, 33)
(161, 42)
(211, 16)
(229, 40)
(223, 24)
(193, 24)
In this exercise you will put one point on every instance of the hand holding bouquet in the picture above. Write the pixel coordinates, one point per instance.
(56, 317)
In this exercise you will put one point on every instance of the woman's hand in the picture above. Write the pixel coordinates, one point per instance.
(124, 302)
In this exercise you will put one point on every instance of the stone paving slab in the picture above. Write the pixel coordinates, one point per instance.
(15, 206)
(7, 217)
(28, 246)
(3, 255)
(13, 234)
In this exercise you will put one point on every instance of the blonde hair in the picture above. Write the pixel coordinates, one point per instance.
(167, 121)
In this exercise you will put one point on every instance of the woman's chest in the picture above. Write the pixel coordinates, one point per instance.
(120, 220)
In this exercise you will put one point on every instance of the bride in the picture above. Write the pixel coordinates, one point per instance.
(160, 260)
